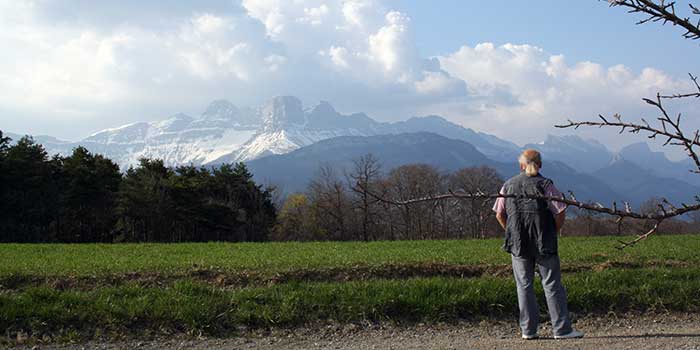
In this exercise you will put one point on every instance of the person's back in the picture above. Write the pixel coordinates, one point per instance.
(531, 225)
(530, 229)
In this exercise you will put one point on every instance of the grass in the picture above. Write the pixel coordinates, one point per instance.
(97, 259)
(194, 308)
(190, 305)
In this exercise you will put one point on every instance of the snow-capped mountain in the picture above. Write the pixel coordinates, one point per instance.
(227, 133)
(180, 139)
(286, 126)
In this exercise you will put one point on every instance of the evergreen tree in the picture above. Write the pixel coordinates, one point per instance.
(145, 208)
(84, 198)
(29, 192)
(89, 189)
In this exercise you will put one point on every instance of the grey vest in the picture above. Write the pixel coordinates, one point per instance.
(530, 227)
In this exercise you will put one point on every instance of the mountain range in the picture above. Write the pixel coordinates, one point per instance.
(446, 154)
(226, 133)
(284, 142)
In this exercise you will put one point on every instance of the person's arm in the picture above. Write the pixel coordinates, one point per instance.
(559, 220)
(502, 219)
(500, 208)
(557, 208)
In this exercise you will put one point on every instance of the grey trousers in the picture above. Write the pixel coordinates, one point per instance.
(550, 271)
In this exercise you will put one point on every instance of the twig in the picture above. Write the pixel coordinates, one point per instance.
(670, 128)
(664, 12)
(639, 238)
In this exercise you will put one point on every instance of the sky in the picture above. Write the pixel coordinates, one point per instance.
(511, 68)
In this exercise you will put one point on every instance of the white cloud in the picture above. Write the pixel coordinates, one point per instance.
(91, 75)
(104, 65)
(523, 91)
(360, 13)
(390, 46)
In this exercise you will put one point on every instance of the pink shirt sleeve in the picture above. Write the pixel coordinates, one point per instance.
(500, 205)
(554, 206)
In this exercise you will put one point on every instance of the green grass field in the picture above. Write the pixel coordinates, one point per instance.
(135, 289)
(96, 259)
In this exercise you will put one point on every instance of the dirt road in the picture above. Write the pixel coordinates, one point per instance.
(668, 331)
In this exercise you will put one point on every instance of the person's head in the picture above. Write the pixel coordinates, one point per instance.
(530, 162)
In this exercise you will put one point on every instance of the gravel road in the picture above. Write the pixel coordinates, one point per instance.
(666, 331)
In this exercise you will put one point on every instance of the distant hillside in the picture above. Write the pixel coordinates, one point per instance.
(585, 155)
(636, 184)
(294, 170)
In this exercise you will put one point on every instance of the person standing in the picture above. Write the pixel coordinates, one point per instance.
(531, 227)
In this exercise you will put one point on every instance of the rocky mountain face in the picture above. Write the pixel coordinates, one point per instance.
(287, 127)
(227, 133)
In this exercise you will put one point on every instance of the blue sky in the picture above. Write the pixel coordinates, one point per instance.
(581, 30)
(510, 68)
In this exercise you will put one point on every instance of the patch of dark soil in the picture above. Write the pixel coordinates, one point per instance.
(611, 331)
(241, 279)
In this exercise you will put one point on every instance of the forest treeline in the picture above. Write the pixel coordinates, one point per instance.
(84, 197)
(335, 207)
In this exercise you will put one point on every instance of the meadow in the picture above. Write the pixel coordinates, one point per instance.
(89, 290)
(96, 259)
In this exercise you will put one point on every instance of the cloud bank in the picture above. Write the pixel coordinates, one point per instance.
(71, 67)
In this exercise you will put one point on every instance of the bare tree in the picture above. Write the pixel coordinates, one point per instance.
(414, 181)
(475, 213)
(331, 202)
(365, 174)
(389, 215)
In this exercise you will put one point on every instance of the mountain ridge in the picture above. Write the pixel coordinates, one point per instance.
(409, 148)
(227, 133)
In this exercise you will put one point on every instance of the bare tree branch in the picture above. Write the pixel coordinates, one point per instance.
(639, 238)
(667, 209)
(664, 12)
(669, 128)
(694, 79)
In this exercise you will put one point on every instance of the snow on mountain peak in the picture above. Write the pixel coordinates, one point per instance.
(175, 123)
(227, 133)
(121, 134)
